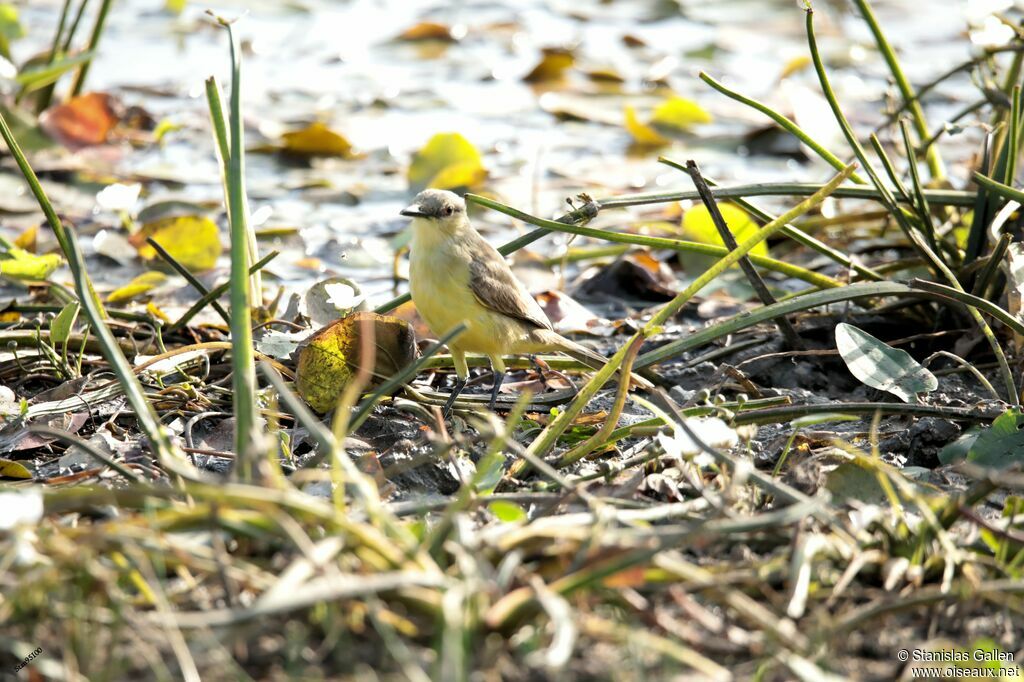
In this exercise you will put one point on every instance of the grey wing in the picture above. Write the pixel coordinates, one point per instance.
(495, 287)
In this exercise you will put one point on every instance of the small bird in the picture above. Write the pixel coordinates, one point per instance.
(455, 276)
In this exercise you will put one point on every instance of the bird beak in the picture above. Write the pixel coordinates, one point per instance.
(413, 211)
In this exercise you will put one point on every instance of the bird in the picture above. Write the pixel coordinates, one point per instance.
(456, 277)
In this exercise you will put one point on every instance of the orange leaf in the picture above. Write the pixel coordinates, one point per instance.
(81, 121)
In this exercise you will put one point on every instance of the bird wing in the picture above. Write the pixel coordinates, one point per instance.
(495, 287)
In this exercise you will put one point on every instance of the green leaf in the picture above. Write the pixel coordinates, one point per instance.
(881, 366)
(507, 512)
(679, 113)
(958, 450)
(489, 471)
(1002, 444)
(447, 161)
(47, 74)
(60, 326)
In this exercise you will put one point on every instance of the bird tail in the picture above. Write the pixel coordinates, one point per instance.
(595, 361)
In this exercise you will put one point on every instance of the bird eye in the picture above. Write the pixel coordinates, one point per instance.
(448, 210)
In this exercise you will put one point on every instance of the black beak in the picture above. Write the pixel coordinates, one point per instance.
(413, 211)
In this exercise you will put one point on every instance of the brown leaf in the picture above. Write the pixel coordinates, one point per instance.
(332, 357)
(81, 121)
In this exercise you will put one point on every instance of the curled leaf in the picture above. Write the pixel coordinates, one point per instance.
(140, 285)
(643, 134)
(332, 357)
(447, 161)
(552, 66)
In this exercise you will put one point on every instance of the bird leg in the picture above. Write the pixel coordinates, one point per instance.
(499, 378)
(460, 383)
(540, 367)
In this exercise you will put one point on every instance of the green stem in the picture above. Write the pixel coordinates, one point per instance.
(912, 102)
(94, 41)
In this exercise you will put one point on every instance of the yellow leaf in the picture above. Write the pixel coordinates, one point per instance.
(795, 65)
(192, 240)
(643, 134)
(156, 312)
(427, 30)
(20, 264)
(316, 139)
(551, 66)
(12, 469)
(447, 161)
(142, 284)
(27, 239)
(679, 114)
(329, 361)
(698, 226)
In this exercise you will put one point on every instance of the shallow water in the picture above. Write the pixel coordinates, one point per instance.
(338, 62)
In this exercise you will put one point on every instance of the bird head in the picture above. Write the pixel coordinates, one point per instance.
(437, 207)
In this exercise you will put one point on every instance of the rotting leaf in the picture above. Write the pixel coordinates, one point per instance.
(316, 139)
(552, 66)
(21, 265)
(643, 134)
(679, 113)
(1000, 445)
(698, 226)
(447, 161)
(331, 299)
(881, 366)
(193, 241)
(81, 121)
(331, 358)
(140, 285)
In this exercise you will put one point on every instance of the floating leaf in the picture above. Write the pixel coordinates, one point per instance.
(81, 121)
(332, 357)
(193, 241)
(428, 30)
(881, 366)
(643, 134)
(142, 284)
(698, 226)
(552, 66)
(679, 113)
(447, 161)
(20, 264)
(11, 469)
(316, 139)
(1000, 445)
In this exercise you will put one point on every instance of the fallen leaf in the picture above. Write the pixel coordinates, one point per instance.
(316, 139)
(643, 134)
(140, 285)
(427, 30)
(698, 226)
(81, 121)
(12, 469)
(332, 299)
(678, 113)
(795, 65)
(447, 161)
(552, 66)
(27, 239)
(21, 265)
(193, 241)
(331, 358)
